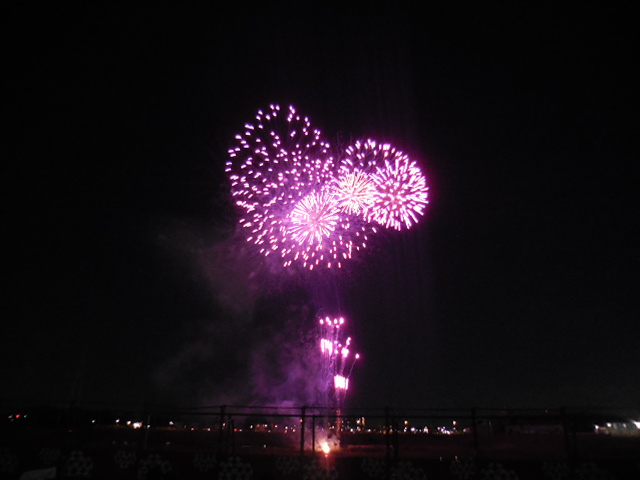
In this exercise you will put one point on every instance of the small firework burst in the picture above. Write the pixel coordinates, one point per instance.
(314, 218)
(401, 193)
(397, 192)
(354, 191)
(338, 359)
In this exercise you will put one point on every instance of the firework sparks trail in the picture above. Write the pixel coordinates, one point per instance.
(302, 206)
(338, 360)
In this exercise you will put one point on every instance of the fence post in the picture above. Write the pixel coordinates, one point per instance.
(313, 436)
(474, 426)
(221, 428)
(303, 411)
(565, 429)
(146, 433)
(232, 432)
(387, 437)
(396, 444)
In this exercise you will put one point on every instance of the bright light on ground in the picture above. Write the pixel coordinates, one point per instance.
(325, 448)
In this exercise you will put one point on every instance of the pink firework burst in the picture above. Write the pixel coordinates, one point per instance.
(278, 160)
(316, 233)
(355, 191)
(399, 192)
(300, 207)
(314, 218)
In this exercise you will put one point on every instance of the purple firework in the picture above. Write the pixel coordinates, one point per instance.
(355, 191)
(301, 207)
(338, 360)
(398, 192)
(318, 233)
(276, 163)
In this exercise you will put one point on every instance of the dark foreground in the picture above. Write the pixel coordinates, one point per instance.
(169, 453)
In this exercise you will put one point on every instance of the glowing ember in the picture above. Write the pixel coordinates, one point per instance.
(340, 382)
(325, 448)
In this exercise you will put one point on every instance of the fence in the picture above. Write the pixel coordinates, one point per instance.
(392, 433)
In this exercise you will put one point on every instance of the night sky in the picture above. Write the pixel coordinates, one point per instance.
(127, 279)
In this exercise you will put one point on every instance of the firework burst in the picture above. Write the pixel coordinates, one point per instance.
(314, 218)
(397, 189)
(316, 233)
(275, 163)
(301, 206)
(355, 192)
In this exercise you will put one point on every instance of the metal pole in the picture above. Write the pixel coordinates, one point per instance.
(396, 446)
(146, 432)
(387, 441)
(474, 426)
(313, 435)
(303, 411)
(565, 428)
(233, 437)
(221, 428)
(387, 438)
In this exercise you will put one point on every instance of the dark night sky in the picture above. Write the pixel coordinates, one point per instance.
(127, 283)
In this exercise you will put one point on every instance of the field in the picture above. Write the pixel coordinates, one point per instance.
(123, 451)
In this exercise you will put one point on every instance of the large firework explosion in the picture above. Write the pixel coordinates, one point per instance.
(303, 206)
